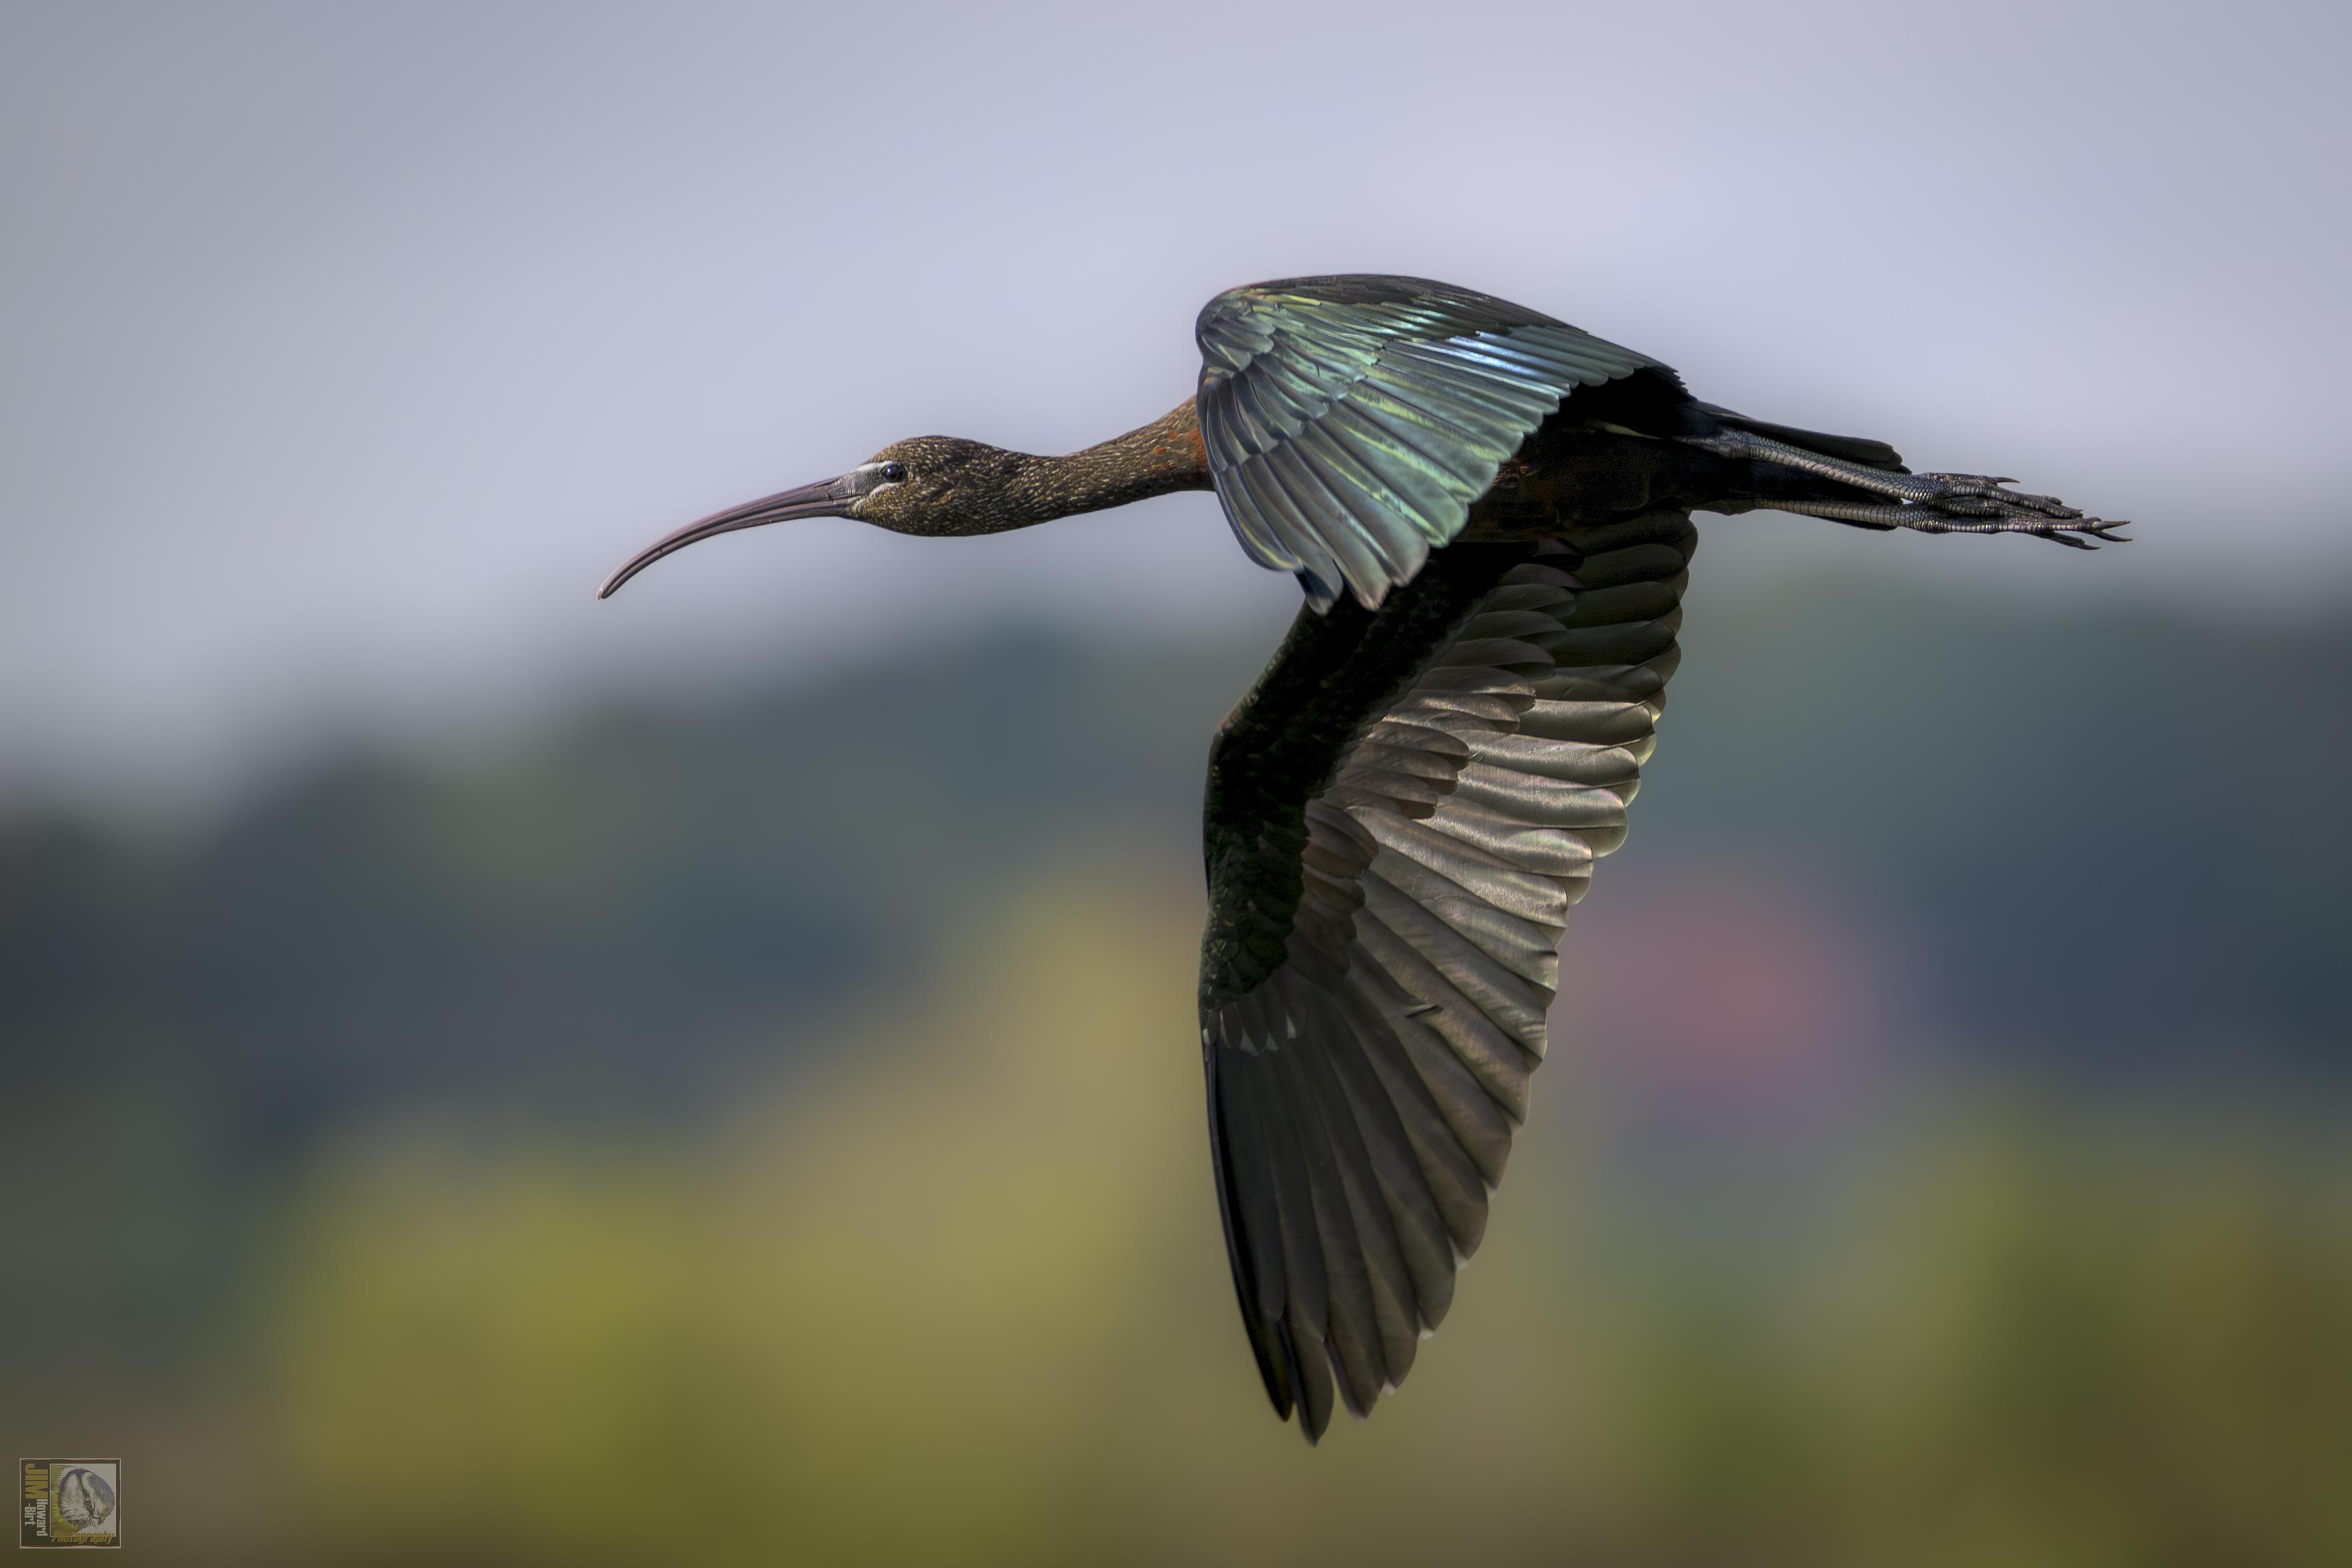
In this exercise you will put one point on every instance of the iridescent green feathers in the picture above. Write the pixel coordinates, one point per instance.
(1350, 422)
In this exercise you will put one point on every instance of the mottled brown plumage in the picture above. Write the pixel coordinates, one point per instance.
(959, 487)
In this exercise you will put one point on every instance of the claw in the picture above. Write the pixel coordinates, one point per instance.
(2080, 536)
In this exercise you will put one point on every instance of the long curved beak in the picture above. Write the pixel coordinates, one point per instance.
(826, 499)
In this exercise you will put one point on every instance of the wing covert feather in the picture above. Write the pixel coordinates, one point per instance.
(1350, 422)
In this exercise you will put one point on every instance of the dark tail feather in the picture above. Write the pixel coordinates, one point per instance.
(1846, 448)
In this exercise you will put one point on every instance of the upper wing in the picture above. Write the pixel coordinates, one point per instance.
(1350, 421)
(1398, 816)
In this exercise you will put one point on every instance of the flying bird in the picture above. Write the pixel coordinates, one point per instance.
(1489, 513)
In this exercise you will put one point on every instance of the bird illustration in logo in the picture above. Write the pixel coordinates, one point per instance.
(85, 1501)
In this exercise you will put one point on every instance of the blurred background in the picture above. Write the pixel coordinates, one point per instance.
(710, 1076)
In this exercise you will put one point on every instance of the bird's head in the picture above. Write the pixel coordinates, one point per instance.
(934, 486)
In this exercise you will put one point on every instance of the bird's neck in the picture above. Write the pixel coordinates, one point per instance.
(1149, 461)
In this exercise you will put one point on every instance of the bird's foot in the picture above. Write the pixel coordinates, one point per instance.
(1956, 491)
(1928, 503)
(1984, 510)
(1973, 504)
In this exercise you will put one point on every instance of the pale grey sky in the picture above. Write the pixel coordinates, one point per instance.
(347, 349)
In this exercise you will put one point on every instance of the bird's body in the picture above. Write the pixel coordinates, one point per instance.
(1489, 512)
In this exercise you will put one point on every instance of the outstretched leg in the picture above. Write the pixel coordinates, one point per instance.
(1930, 503)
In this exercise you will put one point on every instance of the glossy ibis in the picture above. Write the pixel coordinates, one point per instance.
(1489, 511)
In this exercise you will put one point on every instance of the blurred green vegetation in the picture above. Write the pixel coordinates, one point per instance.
(769, 1130)
(967, 1303)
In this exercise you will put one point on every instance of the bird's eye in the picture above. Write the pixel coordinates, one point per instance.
(894, 472)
